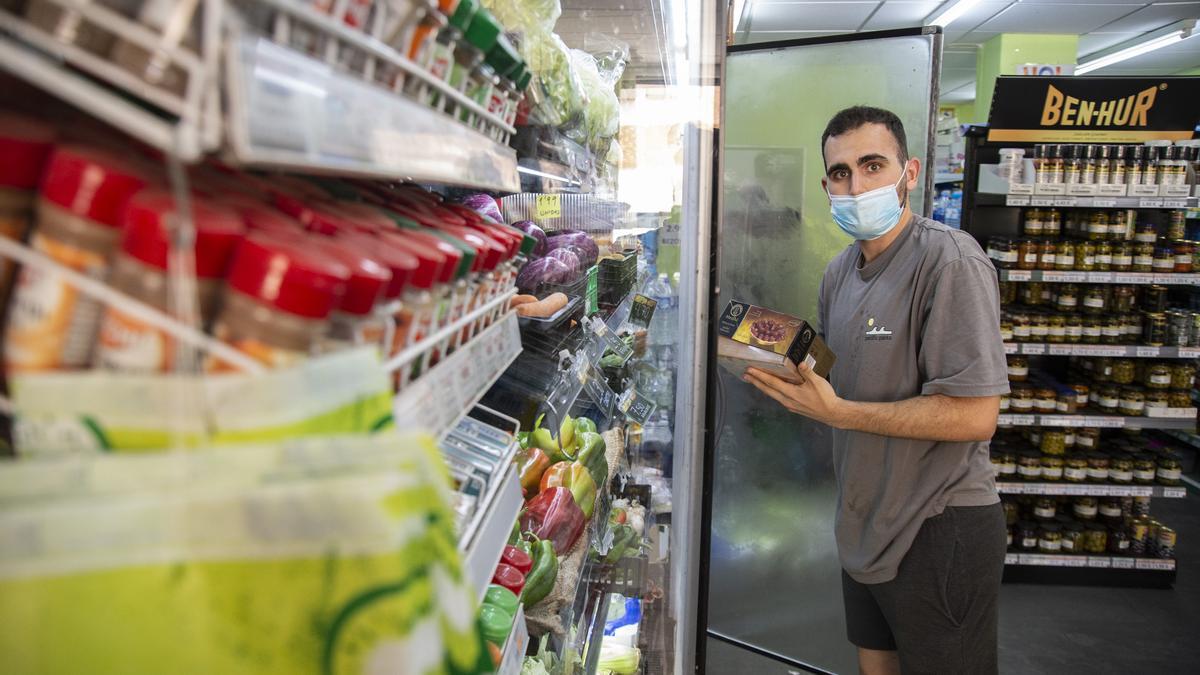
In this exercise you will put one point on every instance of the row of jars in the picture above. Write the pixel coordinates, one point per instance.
(1085, 255)
(1100, 225)
(1179, 374)
(1176, 328)
(1126, 441)
(1053, 465)
(1087, 298)
(1142, 537)
(1109, 399)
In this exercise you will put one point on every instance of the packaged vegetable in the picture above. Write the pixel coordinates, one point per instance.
(545, 308)
(553, 515)
(579, 243)
(619, 659)
(543, 271)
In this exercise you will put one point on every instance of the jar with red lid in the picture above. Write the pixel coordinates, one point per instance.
(402, 265)
(25, 145)
(82, 198)
(281, 292)
(140, 270)
(354, 319)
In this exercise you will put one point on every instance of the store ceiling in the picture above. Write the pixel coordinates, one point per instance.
(1100, 25)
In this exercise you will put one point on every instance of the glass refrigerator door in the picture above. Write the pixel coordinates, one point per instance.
(773, 596)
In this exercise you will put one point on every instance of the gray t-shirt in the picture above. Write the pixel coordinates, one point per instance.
(922, 318)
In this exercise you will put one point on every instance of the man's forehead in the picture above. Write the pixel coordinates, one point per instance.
(868, 139)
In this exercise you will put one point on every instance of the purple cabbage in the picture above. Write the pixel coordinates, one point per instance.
(543, 271)
(484, 205)
(531, 228)
(580, 243)
(570, 259)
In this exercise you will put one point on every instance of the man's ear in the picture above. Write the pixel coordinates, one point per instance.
(825, 185)
(913, 169)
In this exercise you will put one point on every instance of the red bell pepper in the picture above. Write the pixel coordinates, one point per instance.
(555, 516)
(575, 477)
(517, 558)
(510, 578)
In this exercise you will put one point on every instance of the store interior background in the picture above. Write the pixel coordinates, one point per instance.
(1044, 629)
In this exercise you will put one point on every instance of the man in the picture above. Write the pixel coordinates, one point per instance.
(911, 309)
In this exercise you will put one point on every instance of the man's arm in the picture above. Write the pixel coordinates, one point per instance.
(934, 417)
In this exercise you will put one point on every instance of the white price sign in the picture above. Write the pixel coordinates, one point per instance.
(1174, 203)
(1065, 201)
(1010, 348)
(1099, 562)
(1034, 349)
(1150, 203)
(1019, 275)
(1041, 201)
(1119, 563)
(1017, 200)
(1148, 352)
(1104, 202)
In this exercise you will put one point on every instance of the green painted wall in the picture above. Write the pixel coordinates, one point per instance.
(1189, 71)
(965, 112)
(1003, 53)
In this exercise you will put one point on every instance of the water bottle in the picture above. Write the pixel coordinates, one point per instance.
(662, 324)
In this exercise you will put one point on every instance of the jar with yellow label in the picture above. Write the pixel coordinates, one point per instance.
(1095, 299)
(1064, 259)
(1027, 254)
(1155, 329)
(1183, 251)
(1144, 469)
(1057, 324)
(1112, 332)
(1018, 368)
(1085, 255)
(1182, 375)
(1065, 403)
(1158, 376)
(1081, 395)
(1072, 538)
(1122, 372)
(1047, 254)
(1008, 465)
(1104, 251)
(1044, 508)
(1122, 256)
(1093, 330)
(1095, 538)
(1052, 467)
(1020, 326)
(1045, 401)
(1006, 330)
(1074, 328)
(1097, 226)
(1020, 399)
(1120, 470)
(1143, 257)
(1108, 399)
(1029, 466)
(1039, 326)
(1085, 508)
(1034, 224)
(1098, 463)
(1067, 298)
(1075, 468)
(1179, 399)
(1133, 401)
(1050, 538)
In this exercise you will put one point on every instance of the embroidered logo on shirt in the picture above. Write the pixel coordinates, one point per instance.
(877, 332)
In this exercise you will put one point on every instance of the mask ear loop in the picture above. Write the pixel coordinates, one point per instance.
(903, 179)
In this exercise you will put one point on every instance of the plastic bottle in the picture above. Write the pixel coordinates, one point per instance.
(140, 270)
(83, 195)
(25, 145)
(481, 36)
(280, 296)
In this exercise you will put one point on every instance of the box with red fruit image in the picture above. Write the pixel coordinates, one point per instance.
(750, 335)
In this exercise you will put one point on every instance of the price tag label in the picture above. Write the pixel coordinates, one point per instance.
(1049, 189)
(1011, 558)
(1189, 353)
(1150, 203)
(1152, 564)
(1104, 422)
(1074, 560)
(1099, 562)
(1041, 201)
(1010, 348)
(1140, 492)
(1021, 420)
(642, 310)
(1017, 200)
(593, 292)
(1138, 279)
(1065, 201)
(1104, 202)
(1035, 489)
(1148, 352)
(1173, 492)
(1061, 350)
(1075, 277)
(1056, 421)
(1010, 488)
(1174, 203)
(1119, 563)
(612, 342)
(1082, 189)
(635, 407)
(548, 206)
(601, 394)
(1100, 277)
(1034, 349)
(1018, 275)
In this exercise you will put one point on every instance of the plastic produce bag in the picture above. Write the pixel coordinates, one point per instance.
(520, 16)
(333, 559)
(601, 114)
(560, 94)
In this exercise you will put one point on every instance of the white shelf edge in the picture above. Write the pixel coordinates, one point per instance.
(1090, 489)
(1091, 349)
(490, 533)
(1089, 561)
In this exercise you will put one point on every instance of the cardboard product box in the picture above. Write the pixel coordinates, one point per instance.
(750, 335)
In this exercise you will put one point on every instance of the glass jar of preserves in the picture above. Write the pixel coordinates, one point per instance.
(996, 461)
(1020, 326)
(1029, 466)
(1095, 538)
(1164, 257)
(1085, 508)
(1074, 328)
(1155, 329)
(1072, 538)
(1045, 401)
(1027, 254)
(1182, 375)
(1008, 465)
(1047, 254)
(1144, 469)
(1034, 225)
(1018, 368)
(1093, 330)
(1011, 512)
(1044, 508)
(1053, 442)
(1027, 536)
(1039, 326)
(1131, 327)
(1122, 372)
(1052, 222)
(1143, 257)
(1157, 401)
(1122, 299)
(1069, 438)
(1133, 401)
(1158, 376)
(1104, 251)
(1085, 255)
(1020, 399)
(1097, 226)
(1179, 399)
(1064, 259)
(1110, 510)
(1075, 469)
(1068, 297)
(1112, 332)
(1145, 233)
(1101, 369)
(1081, 395)
(1008, 292)
(1154, 298)
(1050, 538)
(1108, 399)
(1120, 470)
(1006, 330)
(1052, 467)
(1122, 256)
(1002, 252)
(1097, 467)
(1169, 471)
(1183, 251)
(1095, 300)
(1118, 541)
(1066, 403)
(1004, 403)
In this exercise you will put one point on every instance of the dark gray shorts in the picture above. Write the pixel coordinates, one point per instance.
(941, 610)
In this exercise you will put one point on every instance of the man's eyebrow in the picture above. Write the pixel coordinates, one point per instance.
(874, 157)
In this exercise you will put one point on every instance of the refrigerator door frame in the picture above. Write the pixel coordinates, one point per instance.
(698, 556)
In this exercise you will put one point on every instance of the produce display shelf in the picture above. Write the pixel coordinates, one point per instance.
(1089, 570)
(1127, 351)
(513, 655)
(438, 399)
(486, 536)
(1097, 202)
(1129, 278)
(1090, 489)
(1102, 421)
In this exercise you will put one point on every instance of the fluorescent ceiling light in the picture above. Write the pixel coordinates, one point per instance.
(951, 13)
(1174, 35)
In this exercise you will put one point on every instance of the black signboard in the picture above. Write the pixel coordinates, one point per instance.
(642, 310)
(1093, 109)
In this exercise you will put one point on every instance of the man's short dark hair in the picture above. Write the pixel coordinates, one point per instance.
(861, 115)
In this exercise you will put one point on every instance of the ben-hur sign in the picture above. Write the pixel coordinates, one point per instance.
(1094, 109)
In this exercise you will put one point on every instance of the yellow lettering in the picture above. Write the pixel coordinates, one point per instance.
(1145, 100)
(1104, 117)
(1086, 108)
(1121, 114)
(1051, 110)
(1068, 115)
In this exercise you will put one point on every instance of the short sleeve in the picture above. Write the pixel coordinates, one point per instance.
(821, 305)
(961, 353)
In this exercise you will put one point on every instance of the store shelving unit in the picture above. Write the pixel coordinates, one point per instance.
(1156, 202)
(483, 540)
(1089, 489)
(513, 653)
(1100, 570)
(1186, 420)
(1128, 278)
(1123, 351)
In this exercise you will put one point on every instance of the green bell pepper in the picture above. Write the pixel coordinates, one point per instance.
(582, 425)
(566, 435)
(540, 580)
(591, 455)
(545, 441)
(624, 536)
(494, 623)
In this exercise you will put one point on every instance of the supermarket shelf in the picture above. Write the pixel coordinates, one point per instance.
(484, 538)
(1184, 436)
(943, 178)
(1128, 351)
(438, 399)
(513, 654)
(1089, 570)
(1090, 489)
(1131, 278)
(290, 111)
(1102, 421)
(491, 308)
(987, 199)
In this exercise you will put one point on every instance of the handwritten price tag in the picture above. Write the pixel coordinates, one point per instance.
(548, 206)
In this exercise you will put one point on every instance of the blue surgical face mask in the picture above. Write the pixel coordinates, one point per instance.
(869, 215)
